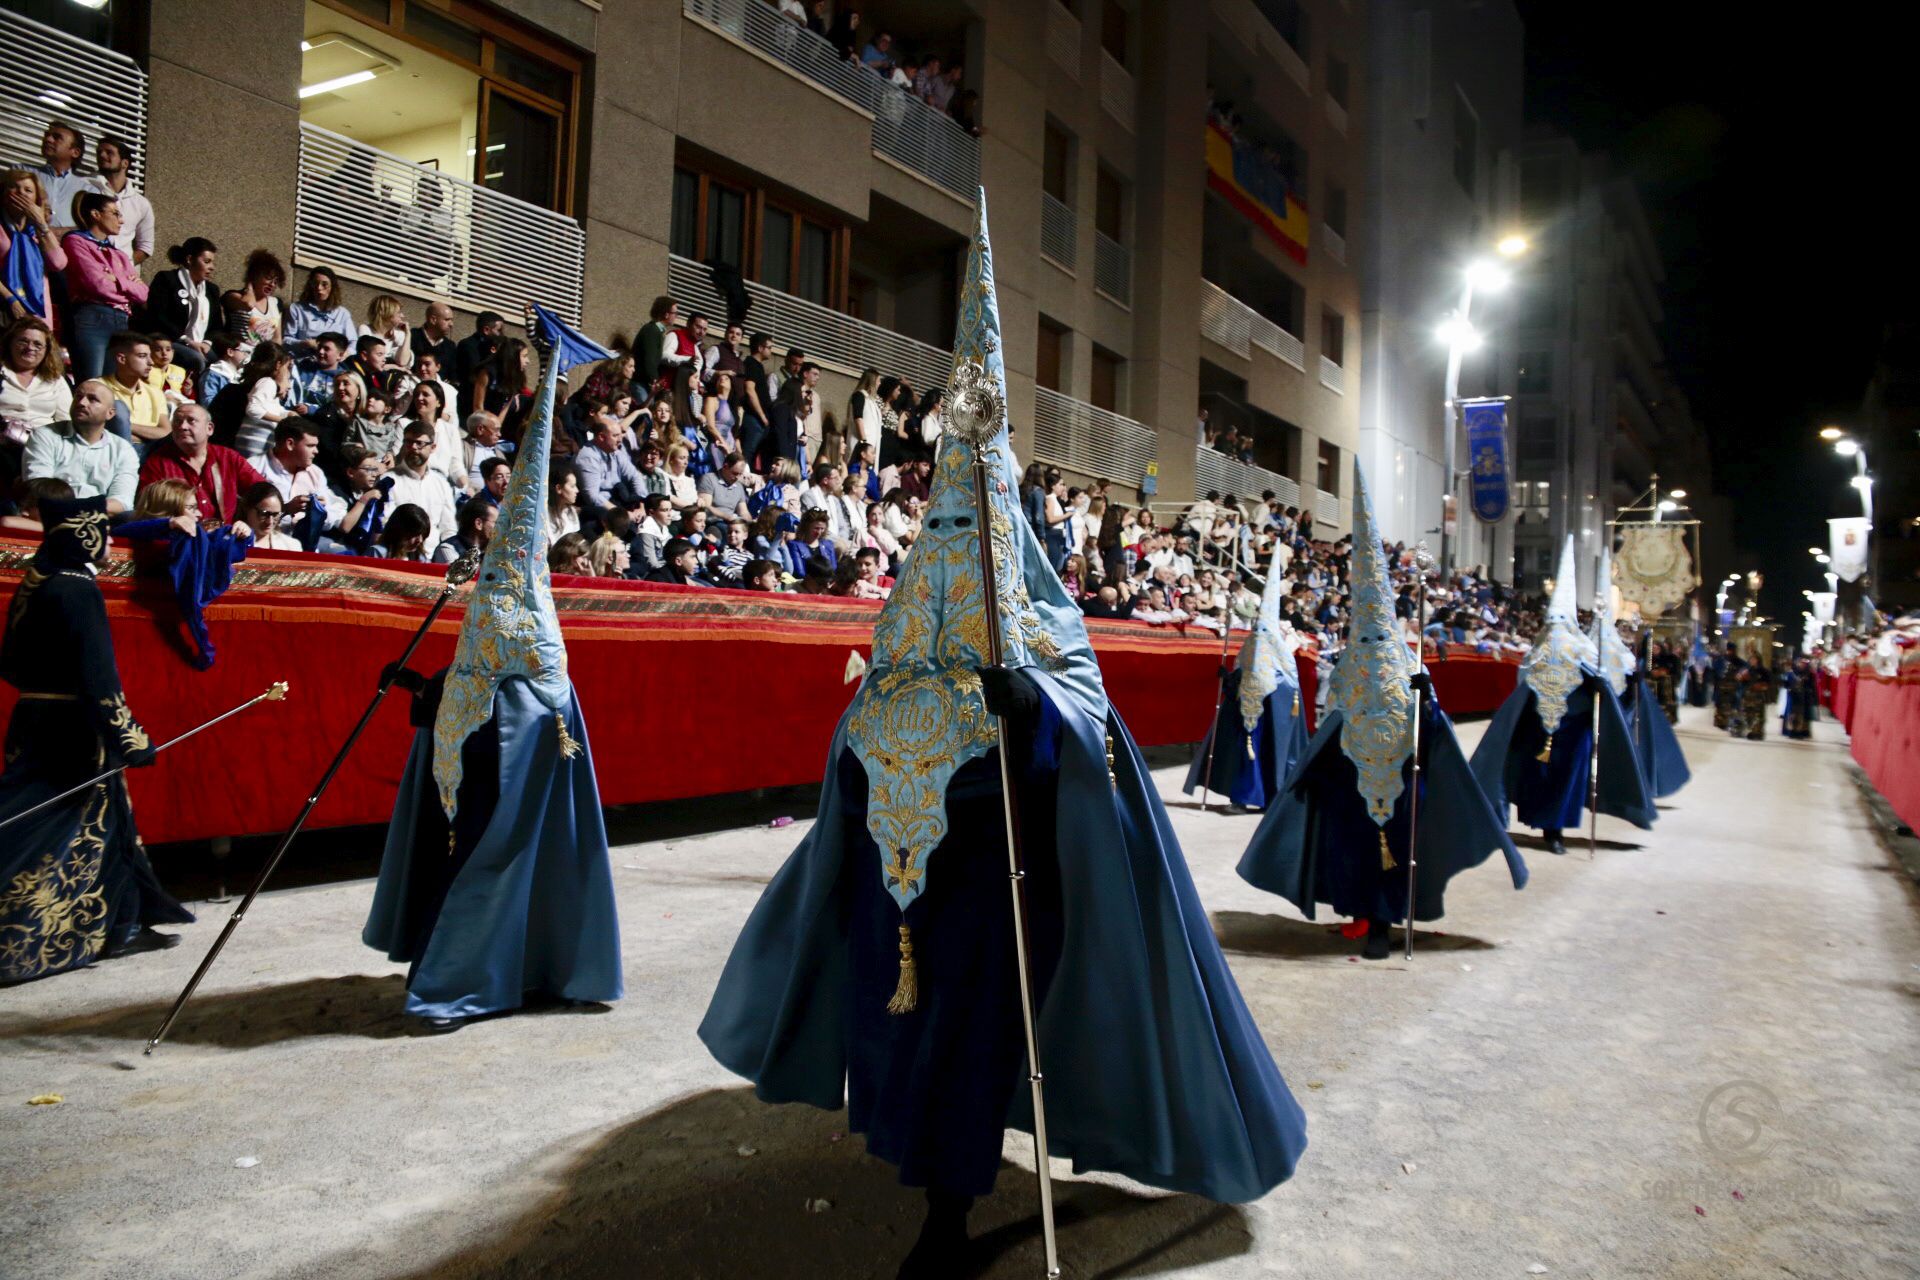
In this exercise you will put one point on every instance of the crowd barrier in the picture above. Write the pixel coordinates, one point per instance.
(686, 692)
(1882, 713)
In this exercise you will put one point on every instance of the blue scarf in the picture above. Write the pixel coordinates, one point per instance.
(26, 272)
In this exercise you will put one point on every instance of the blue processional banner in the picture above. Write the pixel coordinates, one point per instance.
(1487, 454)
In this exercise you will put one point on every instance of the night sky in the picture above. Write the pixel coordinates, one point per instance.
(1768, 152)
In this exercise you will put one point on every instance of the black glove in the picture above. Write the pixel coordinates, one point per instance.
(385, 485)
(1422, 682)
(1224, 670)
(1009, 694)
(404, 677)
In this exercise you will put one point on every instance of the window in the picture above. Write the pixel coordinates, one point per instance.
(1113, 31)
(726, 226)
(523, 149)
(1333, 336)
(1107, 369)
(776, 247)
(1337, 79)
(1289, 18)
(1056, 162)
(813, 281)
(684, 237)
(1327, 473)
(782, 248)
(1534, 447)
(1050, 360)
(1109, 205)
(1466, 144)
(1336, 216)
(443, 33)
(1535, 373)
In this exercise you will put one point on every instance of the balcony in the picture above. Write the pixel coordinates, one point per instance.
(390, 222)
(1215, 472)
(1113, 269)
(1333, 244)
(1058, 232)
(827, 336)
(1094, 442)
(1239, 328)
(1063, 39)
(1336, 116)
(46, 72)
(905, 130)
(1116, 89)
(1327, 510)
(1333, 377)
(1291, 62)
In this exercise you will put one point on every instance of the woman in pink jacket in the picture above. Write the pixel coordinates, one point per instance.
(102, 283)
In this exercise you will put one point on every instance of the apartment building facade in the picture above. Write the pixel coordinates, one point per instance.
(593, 155)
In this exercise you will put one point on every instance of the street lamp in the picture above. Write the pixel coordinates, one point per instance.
(1460, 337)
(1847, 447)
(1512, 245)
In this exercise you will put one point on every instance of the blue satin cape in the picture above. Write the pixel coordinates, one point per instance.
(530, 906)
(1249, 767)
(1553, 796)
(1156, 1069)
(1662, 763)
(1318, 844)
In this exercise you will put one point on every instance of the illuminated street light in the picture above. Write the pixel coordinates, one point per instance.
(1846, 448)
(1512, 246)
(1487, 277)
(1813, 551)
(1668, 505)
(1676, 493)
(1458, 334)
(1831, 433)
(1861, 482)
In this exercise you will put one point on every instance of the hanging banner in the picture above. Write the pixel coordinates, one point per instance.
(1253, 183)
(1654, 568)
(1847, 545)
(1487, 457)
(1823, 607)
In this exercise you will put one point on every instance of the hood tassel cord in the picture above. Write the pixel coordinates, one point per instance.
(569, 746)
(906, 996)
(1546, 752)
(1386, 855)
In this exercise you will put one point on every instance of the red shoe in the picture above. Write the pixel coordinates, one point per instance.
(1354, 929)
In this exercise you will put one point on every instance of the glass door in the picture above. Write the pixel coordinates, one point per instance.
(521, 155)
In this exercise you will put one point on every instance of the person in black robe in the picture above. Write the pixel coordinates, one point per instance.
(1802, 700)
(75, 883)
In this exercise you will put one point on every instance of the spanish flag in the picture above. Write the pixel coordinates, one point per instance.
(1251, 184)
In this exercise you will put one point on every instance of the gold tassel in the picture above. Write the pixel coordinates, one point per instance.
(1112, 780)
(449, 844)
(1386, 855)
(1546, 752)
(1296, 705)
(906, 996)
(569, 747)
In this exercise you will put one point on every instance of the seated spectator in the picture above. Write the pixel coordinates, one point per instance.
(770, 531)
(563, 505)
(879, 539)
(823, 483)
(219, 475)
(415, 483)
(427, 407)
(33, 383)
(291, 470)
(878, 55)
(866, 483)
(83, 453)
(726, 565)
(30, 248)
(406, 536)
(681, 488)
(103, 285)
(900, 516)
(474, 353)
(164, 376)
(254, 308)
(315, 376)
(866, 584)
(387, 320)
(361, 500)
(319, 312)
(369, 363)
(373, 426)
(129, 361)
(608, 478)
(27, 519)
(268, 379)
(818, 579)
(847, 515)
(261, 510)
(916, 478)
(761, 575)
(503, 387)
(811, 543)
(184, 304)
(450, 439)
(494, 474)
(609, 556)
(571, 555)
(654, 532)
(482, 445)
(679, 563)
(223, 365)
(781, 491)
(166, 500)
(473, 531)
(727, 489)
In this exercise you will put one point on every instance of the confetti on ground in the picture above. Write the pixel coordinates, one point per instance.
(748, 1151)
(1408, 1166)
(46, 1100)
(836, 1136)
(1537, 1269)
(1466, 968)
(818, 1206)
(1316, 1084)
(1739, 1196)
(1702, 1212)
(246, 1162)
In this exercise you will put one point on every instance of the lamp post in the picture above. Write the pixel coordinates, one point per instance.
(1457, 331)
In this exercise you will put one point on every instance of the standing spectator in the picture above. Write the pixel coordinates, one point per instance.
(965, 110)
(789, 369)
(681, 358)
(844, 34)
(940, 93)
(84, 453)
(111, 160)
(30, 251)
(923, 433)
(218, 474)
(863, 411)
(650, 347)
(474, 353)
(255, 305)
(725, 356)
(102, 285)
(717, 420)
(896, 402)
(33, 383)
(314, 377)
(61, 146)
(262, 510)
(563, 504)
(130, 356)
(268, 379)
(320, 311)
(756, 396)
(417, 484)
(387, 320)
(929, 75)
(784, 430)
(1033, 501)
(878, 55)
(1057, 517)
(184, 305)
(436, 338)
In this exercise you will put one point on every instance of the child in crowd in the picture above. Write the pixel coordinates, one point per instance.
(166, 377)
(224, 368)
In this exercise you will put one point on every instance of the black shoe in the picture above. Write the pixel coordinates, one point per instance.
(943, 1251)
(1554, 843)
(1379, 941)
(1238, 809)
(145, 940)
(441, 1026)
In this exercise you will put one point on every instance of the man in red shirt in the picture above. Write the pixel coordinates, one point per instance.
(218, 474)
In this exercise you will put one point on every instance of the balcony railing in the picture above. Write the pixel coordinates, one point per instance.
(1336, 116)
(1112, 269)
(1063, 38)
(905, 129)
(1291, 62)
(46, 75)
(416, 229)
(1239, 328)
(1333, 243)
(1116, 89)
(1072, 433)
(1058, 230)
(828, 336)
(1332, 376)
(1328, 509)
(1215, 472)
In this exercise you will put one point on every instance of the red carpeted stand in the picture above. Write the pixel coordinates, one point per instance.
(1885, 724)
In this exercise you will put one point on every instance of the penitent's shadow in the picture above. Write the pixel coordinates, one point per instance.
(351, 1005)
(1254, 934)
(723, 1186)
(1576, 843)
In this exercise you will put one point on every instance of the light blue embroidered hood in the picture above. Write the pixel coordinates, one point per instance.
(1561, 654)
(1266, 659)
(1371, 685)
(1616, 659)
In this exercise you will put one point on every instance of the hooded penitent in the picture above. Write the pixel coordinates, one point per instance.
(1154, 1068)
(1615, 659)
(1561, 654)
(1266, 659)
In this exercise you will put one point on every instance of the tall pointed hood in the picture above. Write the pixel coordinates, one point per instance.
(1266, 659)
(511, 628)
(919, 715)
(1616, 659)
(1561, 655)
(1371, 683)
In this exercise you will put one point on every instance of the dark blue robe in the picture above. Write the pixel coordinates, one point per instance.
(1655, 745)
(1318, 843)
(1249, 767)
(1802, 706)
(1552, 796)
(1154, 1068)
(522, 899)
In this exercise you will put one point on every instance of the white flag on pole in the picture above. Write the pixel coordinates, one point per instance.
(1847, 540)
